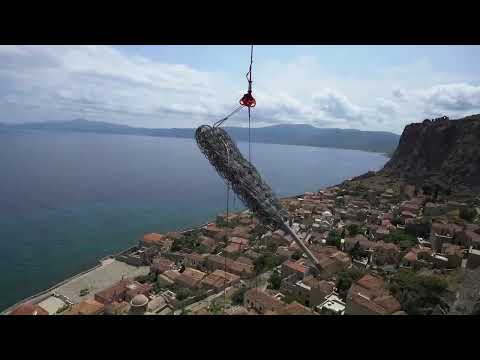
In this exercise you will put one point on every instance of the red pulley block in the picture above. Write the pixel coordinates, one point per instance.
(248, 100)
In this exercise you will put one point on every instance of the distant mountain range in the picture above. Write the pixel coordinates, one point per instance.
(299, 134)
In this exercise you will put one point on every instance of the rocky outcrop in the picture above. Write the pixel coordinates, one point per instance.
(441, 151)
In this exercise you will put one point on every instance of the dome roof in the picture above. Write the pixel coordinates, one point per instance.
(139, 300)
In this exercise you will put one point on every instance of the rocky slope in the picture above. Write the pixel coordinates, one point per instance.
(440, 151)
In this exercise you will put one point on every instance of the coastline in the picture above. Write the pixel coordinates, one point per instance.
(40, 296)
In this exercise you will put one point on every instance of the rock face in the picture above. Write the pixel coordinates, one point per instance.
(441, 151)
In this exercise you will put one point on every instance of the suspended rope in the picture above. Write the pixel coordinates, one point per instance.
(220, 122)
(223, 154)
(246, 101)
(225, 270)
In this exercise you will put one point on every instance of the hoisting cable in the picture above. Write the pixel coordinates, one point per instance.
(221, 121)
(252, 104)
(225, 270)
(248, 101)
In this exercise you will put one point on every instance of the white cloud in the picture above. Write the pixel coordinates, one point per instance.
(40, 83)
(104, 83)
(452, 97)
(338, 106)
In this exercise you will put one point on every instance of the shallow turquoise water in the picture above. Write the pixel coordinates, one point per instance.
(68, 199)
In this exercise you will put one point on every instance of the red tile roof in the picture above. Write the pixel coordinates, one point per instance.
(86, 307)
(232, 248)
(207, 241)
(219, 278)
(367, 303)
(295, 308)
(153, 238)
(411, 256)
(371, 282)
(260, 297)
(295, 266)
(389, 303)
(190, 277)
(370, 293)
(244, 260)
(113, 292)
(29, 309)
(171, 274)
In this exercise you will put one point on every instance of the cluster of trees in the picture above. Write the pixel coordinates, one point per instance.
(183, 293)
(397, 220)
(215, 308)
(237, 298)
(289, 298)
(346, 278)
(357, 251)
(62, 309)
(297, 254)
(272, 247)
(201, 249)
(353, 229)
(468, 214)
(422, 229)
(402, 239)
(334, 239)
(188, 241)
(275, 280)
(417, 293)
(222, 222)
(149, 278)
(257, 231)
(266, 262)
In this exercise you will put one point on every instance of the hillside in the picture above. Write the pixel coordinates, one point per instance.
(297, 134)
(441, 151)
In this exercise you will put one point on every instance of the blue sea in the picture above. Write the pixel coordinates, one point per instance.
(68, 199)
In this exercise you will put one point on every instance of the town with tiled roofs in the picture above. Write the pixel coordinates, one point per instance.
(384, 248)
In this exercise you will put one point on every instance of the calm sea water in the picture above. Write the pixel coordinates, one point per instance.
(67, 199)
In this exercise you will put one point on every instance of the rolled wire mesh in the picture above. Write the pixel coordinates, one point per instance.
(224, 155)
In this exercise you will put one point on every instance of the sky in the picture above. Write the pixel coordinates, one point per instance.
(376, 88)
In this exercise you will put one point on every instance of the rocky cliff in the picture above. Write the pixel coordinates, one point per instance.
(441, 151)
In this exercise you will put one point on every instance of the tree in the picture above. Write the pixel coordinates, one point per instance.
(237, 298)
(62, 309)
(346, 278)
(265, 262)
(183, 293)
(417, 293)
(397, 220)
(308, 222)
(297, 254)
(215, 308)
(353, 229)
(149, 278)
(272, 247)
(334, 239)
(289, 298)
(357, 251)
(275, 280)
(185, 311)
(468, 214)
(402, 238)
(201, 249)
(258, 230)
